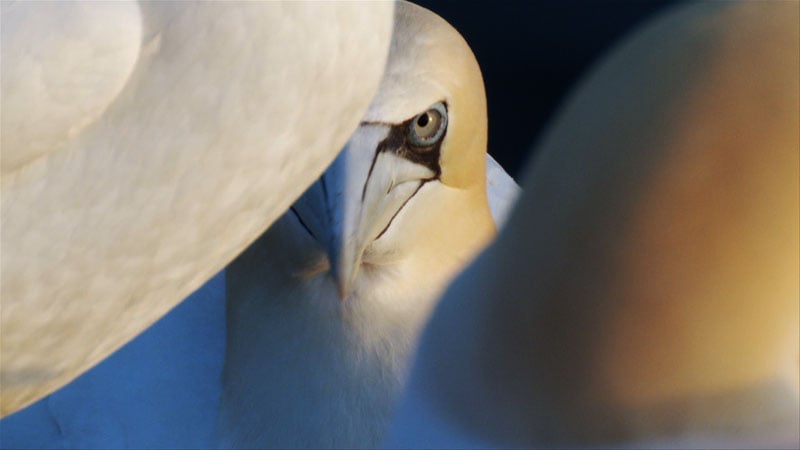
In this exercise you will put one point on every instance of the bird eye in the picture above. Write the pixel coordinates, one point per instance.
(428, 128)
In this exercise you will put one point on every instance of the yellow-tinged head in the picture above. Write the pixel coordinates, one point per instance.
(409, 189)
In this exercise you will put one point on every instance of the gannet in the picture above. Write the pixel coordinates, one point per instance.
(145, 145)
(323, 310)
(644, 292)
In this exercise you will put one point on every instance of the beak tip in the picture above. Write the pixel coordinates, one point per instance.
(343, 286)
(343, 291)
(343, 271)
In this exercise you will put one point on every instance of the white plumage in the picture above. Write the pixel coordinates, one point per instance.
(116, 204)
(324, 309)
(349, 357)
(56, 83)
(616, 310)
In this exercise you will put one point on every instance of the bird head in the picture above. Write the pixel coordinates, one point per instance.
(410, 184)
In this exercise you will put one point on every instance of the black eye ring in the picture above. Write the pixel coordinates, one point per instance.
(428, 127)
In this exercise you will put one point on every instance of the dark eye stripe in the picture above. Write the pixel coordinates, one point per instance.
(397, 142)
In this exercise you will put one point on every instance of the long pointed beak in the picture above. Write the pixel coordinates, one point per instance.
(355, 200)
(343, 247)
(352, 214)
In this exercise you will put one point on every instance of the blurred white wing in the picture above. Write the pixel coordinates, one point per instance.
(645, 292)
(56, 83)
(229, 113)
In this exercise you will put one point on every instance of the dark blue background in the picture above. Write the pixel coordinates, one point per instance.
(532, 53)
